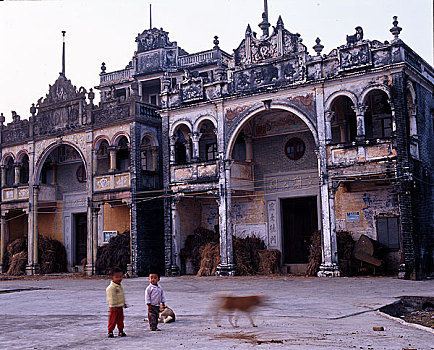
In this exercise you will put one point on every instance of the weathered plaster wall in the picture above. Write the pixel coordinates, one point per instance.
(17, 225)
(67, 179)
(269, 155)
(116, 218)
(367, 201)
(50, 224)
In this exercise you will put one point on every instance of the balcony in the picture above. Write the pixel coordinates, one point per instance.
(340, 155)
(194, 172)
(242, 178)
(15, 193)
(116, 77)
(120, 181)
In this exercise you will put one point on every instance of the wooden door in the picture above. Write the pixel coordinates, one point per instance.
(80, 237)
(299, 221)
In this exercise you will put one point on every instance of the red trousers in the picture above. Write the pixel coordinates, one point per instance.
(116, 318)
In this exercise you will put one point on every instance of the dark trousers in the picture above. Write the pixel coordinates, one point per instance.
(116, 318)
(153, 312)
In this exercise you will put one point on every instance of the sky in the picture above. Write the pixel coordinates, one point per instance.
(105, 30)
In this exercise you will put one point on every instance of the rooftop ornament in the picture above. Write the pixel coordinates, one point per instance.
(265, 25)
(395, 30)
(33, 110)
(318, 47)
(103, 68)
(216, 42)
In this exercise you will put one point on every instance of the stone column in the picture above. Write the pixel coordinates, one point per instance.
(113, 151)
(176, 239)
(328, 126)
(32, 251)
(187, 151)
(95, 211)
(2, 242)
(226, 266)
(173, 140)
(3, 169)
(17, 174)
(154, 153)
(94, 162)
(54, 171)
(360, 110)
(249, 148)
(195, 137)
(329, 267)
(412, 112)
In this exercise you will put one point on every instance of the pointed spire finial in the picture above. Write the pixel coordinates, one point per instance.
(63, 53)
(150, 16)
(248, 30)
(318, 47)
(395, 30)
(265, 25)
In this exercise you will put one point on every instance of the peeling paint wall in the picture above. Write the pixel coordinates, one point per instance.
(116, 218)
(369, 202)
(50, 224)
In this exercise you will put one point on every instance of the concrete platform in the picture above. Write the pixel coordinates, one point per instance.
(303, 313)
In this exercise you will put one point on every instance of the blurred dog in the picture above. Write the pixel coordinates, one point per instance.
(166, 315)
(228, 304)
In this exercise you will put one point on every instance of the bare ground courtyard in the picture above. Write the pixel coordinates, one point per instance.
(303, 313)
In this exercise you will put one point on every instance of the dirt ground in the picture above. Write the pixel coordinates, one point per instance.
(302, 313)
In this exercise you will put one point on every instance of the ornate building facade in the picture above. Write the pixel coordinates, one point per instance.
(270, 141)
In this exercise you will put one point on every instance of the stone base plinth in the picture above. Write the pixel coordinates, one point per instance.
(32, 269)
(89, 270)
(226, 270)
(329, 271)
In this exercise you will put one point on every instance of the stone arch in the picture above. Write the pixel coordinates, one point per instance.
(152, 138)
(411, 93)
(334, 95)
(373, 87)
(203, 118)
(275, 106)
(179, 123)
(118, 136)
(46, 153)
(7, 155)
(21, 154)
(98, 141)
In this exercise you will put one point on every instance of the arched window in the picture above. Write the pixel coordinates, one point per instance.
(344, 123)
(148, 155)
(24, 171)
(123, 155)
(10, 171)
(207, 142)
(378, 117)
(180, 148)
(102, 158)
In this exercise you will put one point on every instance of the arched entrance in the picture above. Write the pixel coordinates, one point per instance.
(274, 182)
(61, 198)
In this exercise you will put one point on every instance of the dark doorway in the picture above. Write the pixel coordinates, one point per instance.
(300, 220)
(80, 237)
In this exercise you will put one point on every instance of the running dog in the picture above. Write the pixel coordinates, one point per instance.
(228, 304)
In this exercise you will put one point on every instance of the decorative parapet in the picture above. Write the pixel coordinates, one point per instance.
(348, 155)
(112, 182)
(15, 193)
(194, 172)
(116, 77)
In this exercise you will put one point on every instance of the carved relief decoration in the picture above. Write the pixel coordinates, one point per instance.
(152, 39)
(192, 90)
(355, 56)
(62, 90)
(148, 62)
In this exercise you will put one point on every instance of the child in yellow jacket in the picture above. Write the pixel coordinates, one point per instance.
(116, 300)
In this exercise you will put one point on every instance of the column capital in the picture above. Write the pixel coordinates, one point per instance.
(195, 136)
(360, 109)
(113, 148)
(173, 139)
(329, 114)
